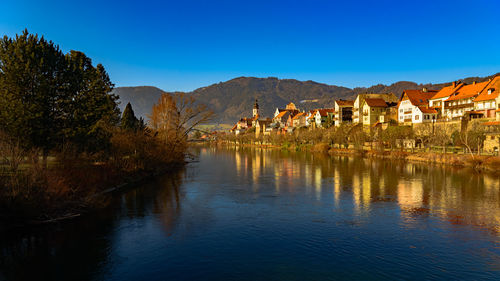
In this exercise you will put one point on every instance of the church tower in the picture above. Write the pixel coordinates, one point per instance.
(255, 109)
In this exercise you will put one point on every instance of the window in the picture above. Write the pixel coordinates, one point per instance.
(417, 117)
(401, 110)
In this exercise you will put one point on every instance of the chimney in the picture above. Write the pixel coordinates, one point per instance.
(424, 89)
(474, 83)
(454, 84)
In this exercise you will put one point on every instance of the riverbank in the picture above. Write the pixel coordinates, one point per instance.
(78, 207)
(476, 162)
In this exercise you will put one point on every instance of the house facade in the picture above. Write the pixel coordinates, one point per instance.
(357, 110)
(261, 126)
(461, 102)
(412, 106)
(488, 100)
(373, 110)
(438, 100)
(343, 111)
(299, 120)
(323, 117)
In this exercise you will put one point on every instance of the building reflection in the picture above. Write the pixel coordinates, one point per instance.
(457, 197)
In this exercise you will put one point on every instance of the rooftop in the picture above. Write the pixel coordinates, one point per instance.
(491, 91)
(468, 91)
(376, 102)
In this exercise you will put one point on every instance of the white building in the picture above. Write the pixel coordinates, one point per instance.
(413, 107)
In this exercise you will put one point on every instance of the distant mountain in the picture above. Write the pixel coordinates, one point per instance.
(142, 98)
(234, 99)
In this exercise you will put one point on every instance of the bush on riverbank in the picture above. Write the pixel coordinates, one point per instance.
(71, 180)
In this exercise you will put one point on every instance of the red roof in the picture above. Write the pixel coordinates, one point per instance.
(468, 91)
(447, 91)
(418, 97)
(376, 102)
(427, 110)
(325, 111)
(491, 91)
(345, 102)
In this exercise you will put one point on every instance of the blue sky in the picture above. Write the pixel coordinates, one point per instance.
(183, 45)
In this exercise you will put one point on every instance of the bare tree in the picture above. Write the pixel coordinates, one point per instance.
(175, 116)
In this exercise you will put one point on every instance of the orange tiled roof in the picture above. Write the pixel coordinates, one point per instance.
(447, 91)
(345, 102)
(281, 114)
(418, 97)
(376, 102)
(494, 85)
(468, 91)
(427, 110)
(298, 115)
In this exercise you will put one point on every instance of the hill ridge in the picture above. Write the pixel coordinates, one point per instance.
(234, 98)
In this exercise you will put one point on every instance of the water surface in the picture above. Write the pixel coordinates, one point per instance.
(253, 214)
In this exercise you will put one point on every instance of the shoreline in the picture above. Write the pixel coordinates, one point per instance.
(477, 162)
(8, 223)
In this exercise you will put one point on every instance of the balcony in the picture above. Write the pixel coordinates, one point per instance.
(459, 106)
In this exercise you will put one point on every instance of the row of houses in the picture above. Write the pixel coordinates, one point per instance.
(454, 102)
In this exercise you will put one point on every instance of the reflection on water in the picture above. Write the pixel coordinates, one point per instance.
(448, 193)
(250, 214)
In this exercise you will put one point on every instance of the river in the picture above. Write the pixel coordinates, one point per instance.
(257, 214)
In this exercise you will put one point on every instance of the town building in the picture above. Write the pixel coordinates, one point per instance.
(358, 104)
(343, 111)
(377, 110)
(487, 102)
(461, 102)
(299, 120)
(413, 107)
(438, 100)
(281, 115)
(310, 118)
(261, 126)
(324, 117)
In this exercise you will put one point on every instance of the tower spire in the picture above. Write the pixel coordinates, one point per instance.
(255, 108)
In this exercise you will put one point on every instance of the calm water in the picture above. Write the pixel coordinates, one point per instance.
(251, 214)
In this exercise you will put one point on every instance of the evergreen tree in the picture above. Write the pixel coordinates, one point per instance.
(129, 121)
(92, 107)
(31, 90)
(47, 98)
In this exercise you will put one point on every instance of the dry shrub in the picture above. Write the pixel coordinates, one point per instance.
(474, 162)
(320, 147)
(400, 155)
